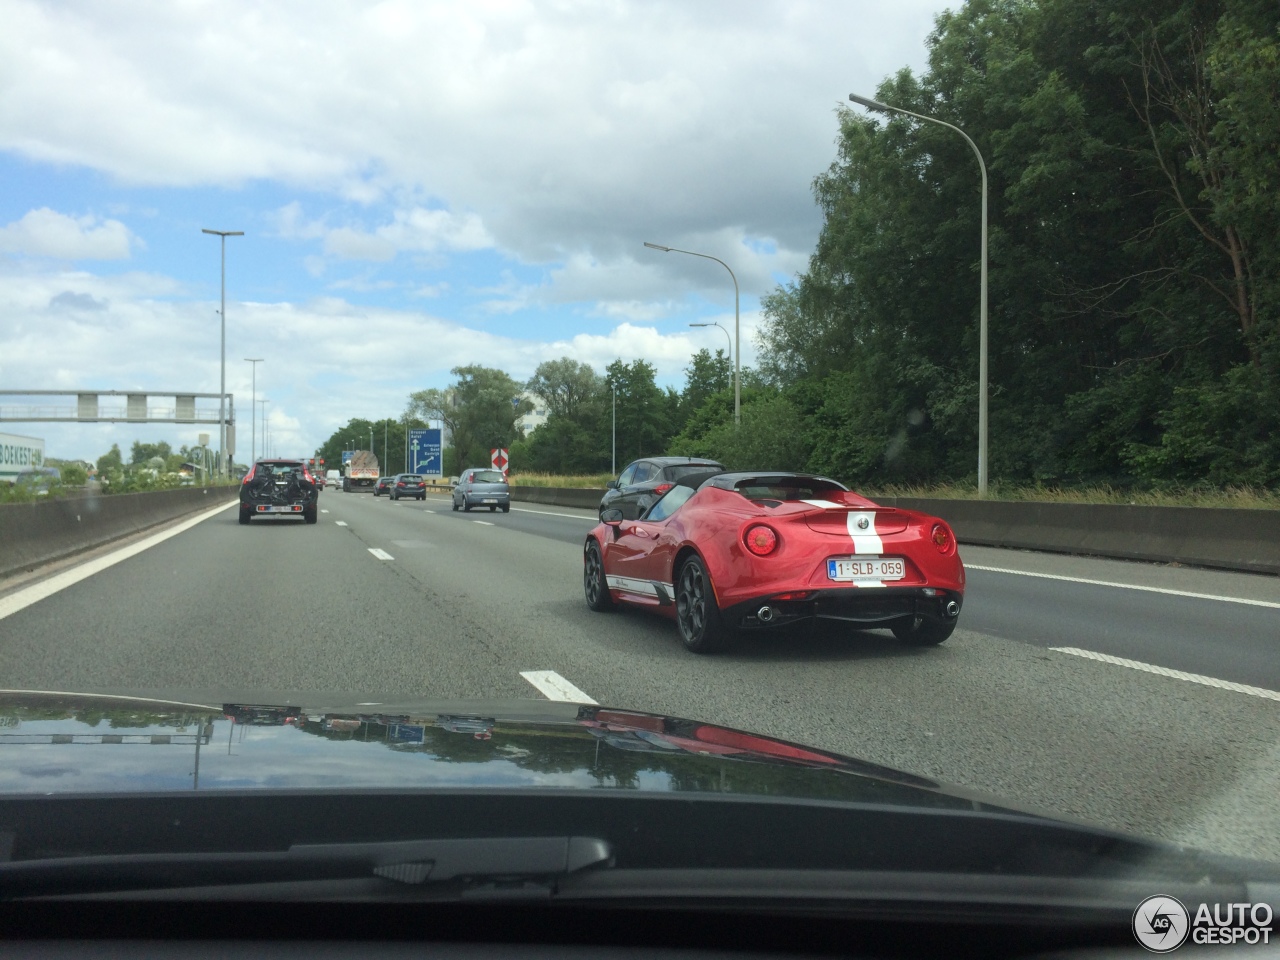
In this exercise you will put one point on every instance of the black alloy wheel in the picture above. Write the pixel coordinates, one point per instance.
(922, 632)
(697, 615)
(594, 584)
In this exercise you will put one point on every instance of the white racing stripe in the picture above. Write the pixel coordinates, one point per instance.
(1127, 586)
(1174, 674)
(381, 554)
(21, 599)
(555, 687)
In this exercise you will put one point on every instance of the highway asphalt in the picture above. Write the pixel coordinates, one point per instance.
(411, 599)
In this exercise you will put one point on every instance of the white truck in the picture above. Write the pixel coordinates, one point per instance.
(360, 472)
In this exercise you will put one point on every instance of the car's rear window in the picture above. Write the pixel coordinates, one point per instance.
(410, 477)
(784, 488)
(488, 476)
(685, 469)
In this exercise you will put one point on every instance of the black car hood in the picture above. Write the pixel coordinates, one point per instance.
(81, 743)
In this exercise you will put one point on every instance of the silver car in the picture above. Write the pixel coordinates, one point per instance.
(482, 487)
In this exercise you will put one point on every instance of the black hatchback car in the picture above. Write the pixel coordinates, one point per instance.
(274, 488)
(643, 482)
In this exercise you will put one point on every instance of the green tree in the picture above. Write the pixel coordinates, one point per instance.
(142, 452)
(704, 376)
(111, 462)
(479, 412)
(566, 385)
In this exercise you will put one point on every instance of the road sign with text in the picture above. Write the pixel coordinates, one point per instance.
(424, 453)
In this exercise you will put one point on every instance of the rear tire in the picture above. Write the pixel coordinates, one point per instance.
(920, 632)
(311, 516)
(455, 506)
(697, 615)
(466, 504)
(507, 508)
(245, 517)
(594, 584)
(492, 509)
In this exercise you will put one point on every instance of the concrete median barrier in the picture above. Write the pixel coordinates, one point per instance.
(1225, 538)
(35, 533)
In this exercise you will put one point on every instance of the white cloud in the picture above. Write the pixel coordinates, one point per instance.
(128, 333)
(47, 233)
(566, 126)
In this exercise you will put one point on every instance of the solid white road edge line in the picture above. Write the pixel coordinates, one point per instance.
(483, 523)
(1174, 674)
(548, 513)
(381, 554)
(555, 687)
(114, 696)
(1128, 586)
(21, 599)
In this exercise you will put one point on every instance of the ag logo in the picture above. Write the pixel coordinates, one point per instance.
(1161, 924)
(863, 523)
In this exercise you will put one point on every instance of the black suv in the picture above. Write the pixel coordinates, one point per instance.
(643, 482)
(279, 488)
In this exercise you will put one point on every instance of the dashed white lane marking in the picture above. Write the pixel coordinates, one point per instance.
(555, 687)
(21, 599)
(483, 523)
(1174, 674)
(1128, 586)
(381, 554)
(324, 511)
(548, 513)
(340, 523)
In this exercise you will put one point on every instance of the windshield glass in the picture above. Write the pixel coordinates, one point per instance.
(970, 309)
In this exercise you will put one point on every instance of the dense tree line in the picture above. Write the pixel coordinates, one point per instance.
(1133, 152)
(1134, 159)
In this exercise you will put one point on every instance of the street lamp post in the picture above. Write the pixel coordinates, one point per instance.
(222, 390)
(982, 310)
(737, 343)
(253, 448)
(264, 403)
(722, 330)
(613, 464)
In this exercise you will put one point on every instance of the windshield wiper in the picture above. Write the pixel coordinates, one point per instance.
(412, 862)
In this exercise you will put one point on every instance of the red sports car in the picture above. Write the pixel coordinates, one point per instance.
(749, 551)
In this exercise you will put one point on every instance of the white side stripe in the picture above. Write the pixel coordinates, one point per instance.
(555, 687)
(1174, 674)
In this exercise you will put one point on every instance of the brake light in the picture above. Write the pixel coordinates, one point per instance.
(760, 540)
(942, 538)
(306, 475)
(249, 476)
(662, 488)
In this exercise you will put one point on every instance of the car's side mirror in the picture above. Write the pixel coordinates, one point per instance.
(611, 515)
(612, 485)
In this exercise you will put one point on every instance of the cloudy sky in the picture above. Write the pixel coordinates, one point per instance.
(421, 186)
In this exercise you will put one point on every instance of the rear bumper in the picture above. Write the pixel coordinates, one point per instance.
(870, 606)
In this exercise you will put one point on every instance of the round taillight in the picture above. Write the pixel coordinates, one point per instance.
(941, 538)
(760, 540)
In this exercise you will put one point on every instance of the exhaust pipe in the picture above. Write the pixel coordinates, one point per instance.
(953, 609)
(764, 614)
